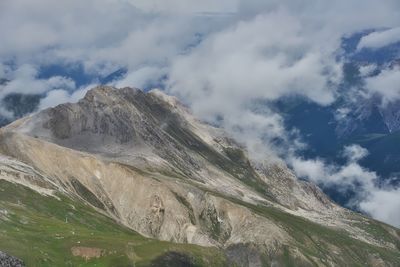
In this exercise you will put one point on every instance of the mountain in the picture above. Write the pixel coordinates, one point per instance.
(128, 178)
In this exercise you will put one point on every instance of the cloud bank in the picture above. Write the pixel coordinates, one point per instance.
(386, 84)
(380, 39)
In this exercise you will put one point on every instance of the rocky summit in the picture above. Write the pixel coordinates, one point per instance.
(128, 178)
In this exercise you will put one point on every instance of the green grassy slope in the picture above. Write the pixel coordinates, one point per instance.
(327, 246)
(321, 244)
(41, 230)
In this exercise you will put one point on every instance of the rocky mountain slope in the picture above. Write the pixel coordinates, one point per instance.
(143, 161)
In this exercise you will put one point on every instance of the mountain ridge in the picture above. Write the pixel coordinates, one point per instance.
(143, 160)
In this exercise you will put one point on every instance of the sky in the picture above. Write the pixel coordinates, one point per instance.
(218, 57)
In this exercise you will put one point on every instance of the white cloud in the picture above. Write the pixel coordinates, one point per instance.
(141, 77)
(24, 80)
(384, 205)
(367, 70)
(347, 176)
(98, 33)
(253, 60)
(59, 96)
(381, 202)
(386, 84)
(313, 169)
(380, 39)
(53, 98)
(355, 153)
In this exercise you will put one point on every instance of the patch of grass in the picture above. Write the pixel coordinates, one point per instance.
(41, 230)
(287, 259)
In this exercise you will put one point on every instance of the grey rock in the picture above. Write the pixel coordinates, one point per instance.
(10, 261)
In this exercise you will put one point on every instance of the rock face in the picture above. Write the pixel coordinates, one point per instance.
(143, 160)
(9, 261)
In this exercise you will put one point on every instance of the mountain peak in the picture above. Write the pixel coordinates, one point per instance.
(144, 161)
(104, 93)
